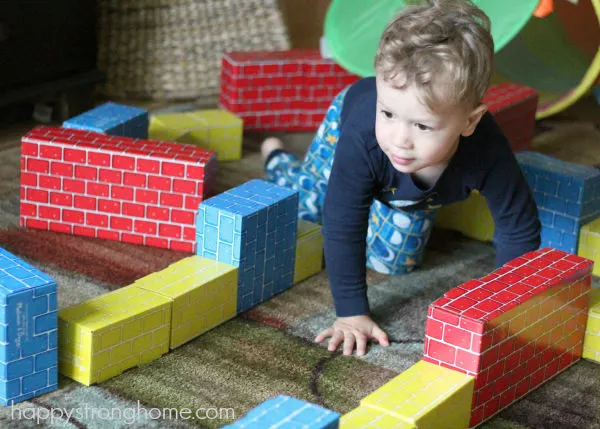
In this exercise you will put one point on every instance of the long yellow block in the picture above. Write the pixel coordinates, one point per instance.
(426, 395)
(471, 217)
(203, 293)
(104, 336)
(216, 129)
(591, 341)
(370, 418)
(589, 243)
(309, 250)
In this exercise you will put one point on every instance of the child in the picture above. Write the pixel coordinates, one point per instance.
(413, 138)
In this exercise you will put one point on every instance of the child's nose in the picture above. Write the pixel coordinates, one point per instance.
(403, 141)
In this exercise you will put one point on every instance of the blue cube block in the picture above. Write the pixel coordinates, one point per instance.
(114, 119)
(28, 329)
(567, 195)
(285, 412)
(252, 227)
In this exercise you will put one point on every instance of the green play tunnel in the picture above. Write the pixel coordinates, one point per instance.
(558, 55)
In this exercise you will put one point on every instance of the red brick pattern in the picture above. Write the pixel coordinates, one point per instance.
(285, 90)
(117, 188)
(513, 329)
(513, 107)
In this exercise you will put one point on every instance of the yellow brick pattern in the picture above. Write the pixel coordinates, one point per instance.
(309, 250)
(591, 342)
(203, 293)
(216, 129)
(104, 336)
(369, 418)
(426, 395)
(589, 244)
(471, 217)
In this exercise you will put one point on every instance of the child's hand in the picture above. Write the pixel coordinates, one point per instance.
(353, 330)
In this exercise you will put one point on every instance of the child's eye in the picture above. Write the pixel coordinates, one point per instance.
(387, 114)
(422, 127)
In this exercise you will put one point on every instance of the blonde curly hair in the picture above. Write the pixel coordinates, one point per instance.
(444, 47)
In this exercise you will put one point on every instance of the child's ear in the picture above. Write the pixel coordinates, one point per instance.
(473, 119)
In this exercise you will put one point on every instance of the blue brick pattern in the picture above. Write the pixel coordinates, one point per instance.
(114, 119)
(252, 227)
(28, 331)
(285, 412)
(567, 196)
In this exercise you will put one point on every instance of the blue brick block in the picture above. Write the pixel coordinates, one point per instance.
(567, 195)
(287, 412)
(252, 227)
(114, 119)
(28, 329)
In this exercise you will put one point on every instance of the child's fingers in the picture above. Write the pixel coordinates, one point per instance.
(324, 334)
(349, 341)
(380, 335)
(335, 341)
(361, 345)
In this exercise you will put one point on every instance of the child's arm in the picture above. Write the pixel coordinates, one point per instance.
(345, 222)
(511, 203)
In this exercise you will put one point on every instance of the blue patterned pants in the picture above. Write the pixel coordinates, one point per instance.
(396, 239)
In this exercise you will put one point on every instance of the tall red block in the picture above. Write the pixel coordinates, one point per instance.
(117, 188)
(513, 329)
(513, 107)
(281, 90)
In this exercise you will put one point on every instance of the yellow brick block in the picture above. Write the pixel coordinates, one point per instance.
(216, 129)
(589, 243)
(203, 294)
(591, 341)
(97, 338)
(471, 217)
(309, 250)
(370, 418)
(427, 396)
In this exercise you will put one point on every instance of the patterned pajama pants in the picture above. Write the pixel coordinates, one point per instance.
(396, 239)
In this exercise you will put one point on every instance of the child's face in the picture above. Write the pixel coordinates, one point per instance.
(412, 136)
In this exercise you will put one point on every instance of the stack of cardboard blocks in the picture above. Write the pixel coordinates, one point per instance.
(567, 196)
(284, 90)
(246, 254)
(114, 119)
(106, 335)
(591, 343)
(589, 243)
(513, 107)
(287, 412)
(117, 188)
(513, 329)
(213, 129)
(252, 227)
(470, 217)
(28, 331)
(488, 343)
(309, 250)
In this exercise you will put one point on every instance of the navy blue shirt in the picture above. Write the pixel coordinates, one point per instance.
(361, 171)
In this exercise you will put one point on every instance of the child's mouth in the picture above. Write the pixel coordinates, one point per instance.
(401, 161)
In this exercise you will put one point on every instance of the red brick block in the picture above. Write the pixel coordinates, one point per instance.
(528, 327)
(513, 107)
(282, 90)
(112, 187)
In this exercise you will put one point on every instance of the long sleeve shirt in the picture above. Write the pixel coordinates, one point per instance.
(361, 172)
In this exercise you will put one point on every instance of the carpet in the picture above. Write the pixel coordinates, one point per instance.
(267, 351)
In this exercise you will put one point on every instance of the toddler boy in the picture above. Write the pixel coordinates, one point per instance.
(395, 147)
